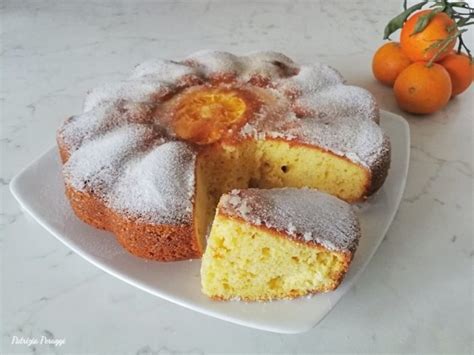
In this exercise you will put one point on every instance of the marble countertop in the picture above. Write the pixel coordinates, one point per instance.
(416, 294)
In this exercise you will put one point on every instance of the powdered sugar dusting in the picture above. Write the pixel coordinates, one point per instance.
(291, 229)
(158, 186)
(270, 65)
(214, 62)
(139, 90)
(339, 118)
(261, 58)
(233, 200)
(78, 128)
(339, 100)
(163, 70)
(101, 94)
(97, 164)
(343, 120)
(312, 78)
(119, 151)
(308, 215)
(93, 124)
(147, 79)
(264, 64)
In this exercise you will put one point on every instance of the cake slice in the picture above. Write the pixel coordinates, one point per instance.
(278, 244)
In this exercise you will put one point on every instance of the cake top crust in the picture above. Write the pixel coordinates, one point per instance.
(121, 126)
(322, 109)
(138, 173)
(307, 215)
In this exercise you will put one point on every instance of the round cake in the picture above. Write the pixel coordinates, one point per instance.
(149, 157)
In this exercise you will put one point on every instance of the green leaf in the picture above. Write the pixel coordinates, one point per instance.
(424, 20)
(436, 3)
(459, 4)
(397, 22)
(463, 21)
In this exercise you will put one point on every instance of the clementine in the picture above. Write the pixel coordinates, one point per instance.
(459, 67)
(421, 89)
(388, 62)
(419, 46)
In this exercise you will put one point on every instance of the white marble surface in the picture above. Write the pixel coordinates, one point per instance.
(415, 296)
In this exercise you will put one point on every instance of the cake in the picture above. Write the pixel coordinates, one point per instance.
(278, 243)
(149, 157)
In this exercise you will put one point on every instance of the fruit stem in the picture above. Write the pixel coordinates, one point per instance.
(442, 45)
(463, 45)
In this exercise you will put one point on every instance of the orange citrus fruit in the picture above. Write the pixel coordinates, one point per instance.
(417, 46)
(459, 67)
(205, 115)
(388, 62)
(421, 89)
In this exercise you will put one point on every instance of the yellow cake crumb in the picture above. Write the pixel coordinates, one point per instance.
(271, 164)
(252, 263)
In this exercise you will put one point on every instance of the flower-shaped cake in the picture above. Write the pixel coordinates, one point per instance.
(150, 156)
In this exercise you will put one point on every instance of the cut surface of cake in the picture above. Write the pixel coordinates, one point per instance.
(278, 244)
(149, 157)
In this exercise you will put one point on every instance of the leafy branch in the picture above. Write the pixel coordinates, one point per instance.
(460, 11)
(397, 22)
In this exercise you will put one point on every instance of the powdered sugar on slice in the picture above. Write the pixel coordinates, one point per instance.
(305, 214)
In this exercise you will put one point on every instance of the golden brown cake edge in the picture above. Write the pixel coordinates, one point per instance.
(159, 242)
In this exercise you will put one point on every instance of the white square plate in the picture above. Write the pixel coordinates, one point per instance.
(39, 189)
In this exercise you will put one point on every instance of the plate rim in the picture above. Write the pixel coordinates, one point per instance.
(14, 189)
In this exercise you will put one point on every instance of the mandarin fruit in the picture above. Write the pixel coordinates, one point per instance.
(459, 67)
(388, 62)
(421, 89)
(204, 116)
(418, 47)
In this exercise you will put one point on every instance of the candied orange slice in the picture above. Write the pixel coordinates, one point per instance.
(205, 115)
